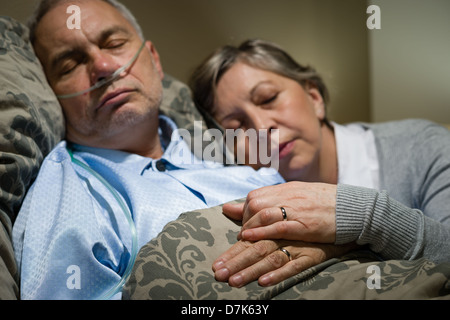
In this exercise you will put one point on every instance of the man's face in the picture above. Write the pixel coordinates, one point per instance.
(76, 59)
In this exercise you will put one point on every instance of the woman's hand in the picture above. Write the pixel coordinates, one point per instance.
(309, 207)
(246, 261)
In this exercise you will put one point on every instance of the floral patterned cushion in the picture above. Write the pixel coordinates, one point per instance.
(177, 265)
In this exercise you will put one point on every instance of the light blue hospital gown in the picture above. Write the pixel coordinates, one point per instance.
(71, 225)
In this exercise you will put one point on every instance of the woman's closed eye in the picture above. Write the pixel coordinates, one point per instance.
(265, 98)
(270, 99)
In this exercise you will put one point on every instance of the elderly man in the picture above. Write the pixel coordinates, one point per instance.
(114, 183)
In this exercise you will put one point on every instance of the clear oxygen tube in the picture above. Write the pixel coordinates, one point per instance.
(116, 74)
(126, 211)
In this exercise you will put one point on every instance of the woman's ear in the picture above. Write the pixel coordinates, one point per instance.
(318, 103)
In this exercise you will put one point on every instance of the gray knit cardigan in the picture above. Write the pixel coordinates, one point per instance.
(409, 217)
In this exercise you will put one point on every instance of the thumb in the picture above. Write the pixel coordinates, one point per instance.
(234, 211)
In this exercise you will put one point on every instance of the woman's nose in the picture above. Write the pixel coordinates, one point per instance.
(262, 119)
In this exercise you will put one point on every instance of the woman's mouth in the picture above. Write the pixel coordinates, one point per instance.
(285, 148)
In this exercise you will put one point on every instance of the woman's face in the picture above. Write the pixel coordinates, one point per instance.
(252, 98)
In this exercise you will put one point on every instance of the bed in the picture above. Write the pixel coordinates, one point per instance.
(176, 264)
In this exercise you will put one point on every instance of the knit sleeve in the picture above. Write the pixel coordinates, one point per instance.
(410, 217)
(373, 218)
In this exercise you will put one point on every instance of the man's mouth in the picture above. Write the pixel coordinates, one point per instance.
(113, 98)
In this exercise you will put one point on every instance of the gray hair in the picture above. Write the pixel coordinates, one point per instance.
(45, 6)
(256, 53)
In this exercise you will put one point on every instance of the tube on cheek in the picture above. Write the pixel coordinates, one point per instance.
(116, 74)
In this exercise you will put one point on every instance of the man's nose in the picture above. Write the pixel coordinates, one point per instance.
(103, 66)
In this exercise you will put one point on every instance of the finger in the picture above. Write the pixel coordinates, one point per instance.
(256, 201)
(266, 216)
(286, 271)
(254, 253)
(273, 261)
(228, 255)
(233, 211)
(288, 230)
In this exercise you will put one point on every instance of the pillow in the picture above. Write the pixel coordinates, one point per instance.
(177, 265)
(178, 105)
(31, 123)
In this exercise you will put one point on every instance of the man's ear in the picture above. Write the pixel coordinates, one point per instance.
(317, 100)
(155, 57)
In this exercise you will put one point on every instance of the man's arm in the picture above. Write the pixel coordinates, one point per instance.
(66, 242)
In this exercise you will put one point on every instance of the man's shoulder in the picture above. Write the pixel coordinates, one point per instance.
(59, 153)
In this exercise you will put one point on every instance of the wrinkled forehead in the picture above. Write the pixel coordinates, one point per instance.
(68, 20)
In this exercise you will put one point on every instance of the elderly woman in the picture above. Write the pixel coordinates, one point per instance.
(385, 186)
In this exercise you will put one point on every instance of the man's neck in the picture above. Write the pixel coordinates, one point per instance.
(143, 140)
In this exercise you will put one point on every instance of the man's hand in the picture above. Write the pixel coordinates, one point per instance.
(245, 261)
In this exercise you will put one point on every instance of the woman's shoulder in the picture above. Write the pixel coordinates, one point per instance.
(405, 126)
(405, 142)
(412, 130)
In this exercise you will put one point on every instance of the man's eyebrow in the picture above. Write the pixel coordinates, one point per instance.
(105, 34)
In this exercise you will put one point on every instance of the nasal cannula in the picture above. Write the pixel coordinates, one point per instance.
(116, 74)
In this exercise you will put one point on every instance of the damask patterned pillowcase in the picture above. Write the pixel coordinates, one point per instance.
(31, 120)
(177, 265)
(31, 123)
(178, 105)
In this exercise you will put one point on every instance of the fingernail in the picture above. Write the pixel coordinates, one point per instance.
(222, 274)
(236, 280)
(265, 280)
(246, 234)
(218, 265)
